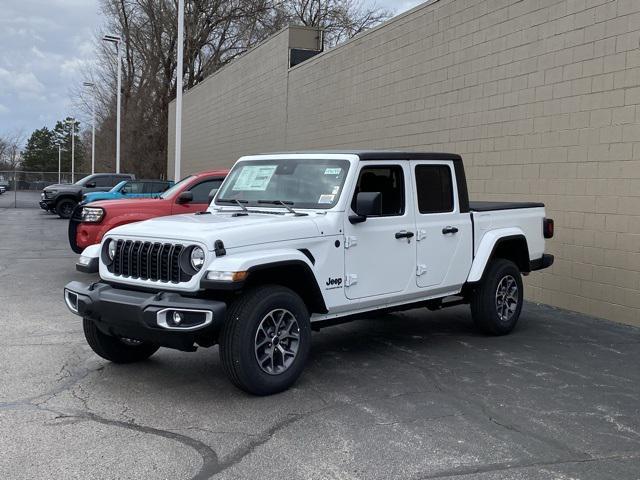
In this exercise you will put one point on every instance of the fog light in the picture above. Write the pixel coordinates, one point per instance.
(183, 319)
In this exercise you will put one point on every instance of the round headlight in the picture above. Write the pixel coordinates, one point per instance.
(197, 258)
(111, 249)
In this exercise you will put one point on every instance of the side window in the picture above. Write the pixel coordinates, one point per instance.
(201, 191)
(134, 187)
(389, 181)
(434, 186)
(150, 187)
(106, 181)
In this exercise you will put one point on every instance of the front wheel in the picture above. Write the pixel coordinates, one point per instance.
(497, 301)
(115, 349)
(65, 207)
(265, 340)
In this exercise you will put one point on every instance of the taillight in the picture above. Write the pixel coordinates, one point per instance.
(547, 227)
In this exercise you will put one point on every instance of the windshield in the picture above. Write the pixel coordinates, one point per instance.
(118, 187)
(300, 183)
(176, 187)
(84, 180)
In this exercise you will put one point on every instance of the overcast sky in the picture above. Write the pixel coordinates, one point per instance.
(45, 47)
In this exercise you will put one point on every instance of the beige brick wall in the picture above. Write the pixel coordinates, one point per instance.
(541, 97)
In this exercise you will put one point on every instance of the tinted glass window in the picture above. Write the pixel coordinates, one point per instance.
(389, 181)
(106, 181)
(154, 187)
(435, 188)
(134, 187)
(201, 191)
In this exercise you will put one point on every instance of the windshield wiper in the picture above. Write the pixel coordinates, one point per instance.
(284, 204)
(236, 201)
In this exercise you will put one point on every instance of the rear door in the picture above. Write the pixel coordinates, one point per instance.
(379, 255)
(443, 234)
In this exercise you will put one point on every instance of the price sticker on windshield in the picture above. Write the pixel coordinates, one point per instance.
(332, 171)
(254, 178)
(326, 199)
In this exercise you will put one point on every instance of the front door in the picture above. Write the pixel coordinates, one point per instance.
(443, 234)
(200, 200)
(380, 252)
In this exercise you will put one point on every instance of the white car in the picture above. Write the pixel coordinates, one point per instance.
(2, 189)
(297, 241)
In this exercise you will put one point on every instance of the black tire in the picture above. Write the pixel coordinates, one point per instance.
(65, 207)
(239, 337)
(486, 301)
(115, 349)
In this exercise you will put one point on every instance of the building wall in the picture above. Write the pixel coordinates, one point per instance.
(541, 97)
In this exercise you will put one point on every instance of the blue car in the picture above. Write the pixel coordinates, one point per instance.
(129, 189)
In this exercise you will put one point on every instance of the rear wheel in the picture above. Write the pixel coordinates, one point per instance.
(116, 349)
(265, 340)
(64, 208)
(497, 301)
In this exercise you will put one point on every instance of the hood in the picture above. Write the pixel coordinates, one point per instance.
(57, 186)
(140, 204)
(234, 231)
(99, 196)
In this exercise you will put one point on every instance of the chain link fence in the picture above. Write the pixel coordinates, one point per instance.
(20, 189)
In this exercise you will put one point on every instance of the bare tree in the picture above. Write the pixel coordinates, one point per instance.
(10, 147)
(340, 19)
(216, 32)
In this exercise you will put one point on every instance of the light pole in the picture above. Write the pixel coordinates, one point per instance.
(93, 126)
(72, 121)
(117, 40)
(178, 145)
(59, 162)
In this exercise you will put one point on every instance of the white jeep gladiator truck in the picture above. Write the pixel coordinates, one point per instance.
(296, 241)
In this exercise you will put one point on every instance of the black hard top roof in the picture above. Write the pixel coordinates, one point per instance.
(380, 154)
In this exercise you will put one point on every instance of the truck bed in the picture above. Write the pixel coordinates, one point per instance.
(527, 217)
(490, 206)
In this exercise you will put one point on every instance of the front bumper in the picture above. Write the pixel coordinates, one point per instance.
(72, 231)
(46, 204)
(143, 315)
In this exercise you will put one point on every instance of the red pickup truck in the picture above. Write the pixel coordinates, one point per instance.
(90, 222)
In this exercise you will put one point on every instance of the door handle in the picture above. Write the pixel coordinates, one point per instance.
(404, 234)
(446, 230)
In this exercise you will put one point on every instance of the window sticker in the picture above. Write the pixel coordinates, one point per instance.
(332, 171)
(254, 178)
(335, 190)
(326, 198)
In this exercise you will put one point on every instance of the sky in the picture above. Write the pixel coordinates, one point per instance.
(45, 47)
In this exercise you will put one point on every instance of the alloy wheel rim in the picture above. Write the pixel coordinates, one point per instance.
(507, 297)
(277, 341)
(67, 209)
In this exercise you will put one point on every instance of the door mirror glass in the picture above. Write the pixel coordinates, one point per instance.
(368, 204)
(212, 194)
(185, 197)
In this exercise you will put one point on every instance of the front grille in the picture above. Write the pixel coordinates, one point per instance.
(149, 261)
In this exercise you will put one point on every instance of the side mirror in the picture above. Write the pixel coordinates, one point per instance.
(91, 185)
(212, 194)
(185, 197)
(368, 204)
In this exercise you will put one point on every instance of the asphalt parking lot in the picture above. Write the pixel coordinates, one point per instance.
(415, 395)
(21, 199)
